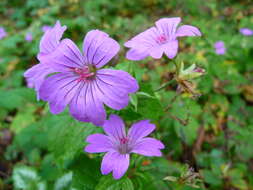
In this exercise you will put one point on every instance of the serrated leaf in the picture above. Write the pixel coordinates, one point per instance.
(23, 118)
(86, 173)
(11, 99)
(64, 182)
(148, 106)
(108, 183)
(67, 136)
(25, 177)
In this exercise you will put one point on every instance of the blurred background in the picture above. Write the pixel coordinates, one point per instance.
(208, 139)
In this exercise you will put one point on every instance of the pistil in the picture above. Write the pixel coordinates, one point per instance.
(84, 73)
(161, 39)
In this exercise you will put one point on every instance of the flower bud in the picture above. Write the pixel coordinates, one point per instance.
(191, 72)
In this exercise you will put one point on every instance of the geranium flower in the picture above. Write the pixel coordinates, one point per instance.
(159, 39)
(49, 42)
(220, 48)
(2, 33)
(118, 145)
(246, 31)
(82, 84)
(29, 37)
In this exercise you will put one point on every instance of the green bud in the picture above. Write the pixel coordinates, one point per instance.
(191, 72)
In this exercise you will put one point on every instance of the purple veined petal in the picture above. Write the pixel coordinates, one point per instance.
(77, 106)
(171, 49)
(140, 129)
(62, 96)
(168, 26)
(114, 127)
(52, 83)
(142, 44)
(59, 89)
(116, 98)
(156, 52)
(148, 147)
(187, 30)
(144, 40)
(108, 162)
(121, 164)
(36, 75)
(96, 148)
(95, 109)
(98, 143)
(86, 106)
(99, 48)
(51, 39)
(66, 57)
(136, 54)
(246, 31)
(98, 139)
(119, 79)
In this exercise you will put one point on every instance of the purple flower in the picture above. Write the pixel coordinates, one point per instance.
(160, 39)
(2, 33)
(49, 42)
(246, 31)
(28, 37)
(79, 81)
(220, 48)
(119, 145)
(46, 28)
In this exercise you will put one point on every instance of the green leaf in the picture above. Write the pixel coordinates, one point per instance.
(148, 105)
(64, 182)
(86, 173)
(25, 177)
(212, 178)
(23, 118)
(11, 99)
(108, 183)
(67, 136)
(134, 101)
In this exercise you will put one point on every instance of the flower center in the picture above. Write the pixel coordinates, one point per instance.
(123, 140)
(161, 39)
(124, 146)
(84, 73)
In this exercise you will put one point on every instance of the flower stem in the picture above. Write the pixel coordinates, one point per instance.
(164, 85)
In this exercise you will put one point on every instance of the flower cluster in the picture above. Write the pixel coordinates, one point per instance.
(68, 77)
(78, 79)
(219, 46)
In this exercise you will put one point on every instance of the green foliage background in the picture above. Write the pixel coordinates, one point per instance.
(39, 150)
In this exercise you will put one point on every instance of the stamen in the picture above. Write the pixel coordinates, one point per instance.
(124, 146)
(84, 74)
(123, 140)
(161, 39)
